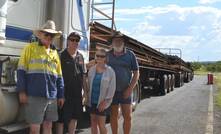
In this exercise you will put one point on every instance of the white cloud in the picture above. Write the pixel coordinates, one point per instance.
(125, 19)
(146, 27)
(149, 17)
(195, 30)
(167, 9)
(208, 1)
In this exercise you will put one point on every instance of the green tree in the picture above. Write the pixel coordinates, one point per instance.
(211, 67)
(218, 66)
(196, 65)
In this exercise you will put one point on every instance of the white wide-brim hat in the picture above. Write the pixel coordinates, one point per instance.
(48, 27)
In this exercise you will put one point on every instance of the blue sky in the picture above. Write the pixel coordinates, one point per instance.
(193, 26)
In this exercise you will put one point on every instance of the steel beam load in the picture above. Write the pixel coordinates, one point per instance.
(147, 57)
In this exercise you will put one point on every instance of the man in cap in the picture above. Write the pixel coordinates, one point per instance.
(73, 70)
(40, 82)
(125, 65)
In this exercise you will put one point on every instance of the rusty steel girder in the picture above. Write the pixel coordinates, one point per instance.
(147, 57)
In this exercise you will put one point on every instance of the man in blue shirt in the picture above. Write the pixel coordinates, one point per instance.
(126, 68)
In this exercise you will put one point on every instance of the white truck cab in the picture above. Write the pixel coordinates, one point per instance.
(17, 20)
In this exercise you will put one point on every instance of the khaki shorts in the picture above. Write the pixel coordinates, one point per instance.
(39, 109)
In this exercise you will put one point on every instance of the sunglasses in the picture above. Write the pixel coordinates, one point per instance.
(100, 56)
(74, 40)
(48, 34)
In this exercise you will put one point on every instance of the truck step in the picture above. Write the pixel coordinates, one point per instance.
(13, 127)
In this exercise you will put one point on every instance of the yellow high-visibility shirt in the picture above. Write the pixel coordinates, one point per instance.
(39, 73)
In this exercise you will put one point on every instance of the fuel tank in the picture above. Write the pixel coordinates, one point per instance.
(9, 106)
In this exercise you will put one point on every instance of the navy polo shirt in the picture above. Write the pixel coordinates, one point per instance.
(123, 66)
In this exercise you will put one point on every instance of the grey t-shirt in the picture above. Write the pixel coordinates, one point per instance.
(123, 66)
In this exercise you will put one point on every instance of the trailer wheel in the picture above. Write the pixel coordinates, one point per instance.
(169, 79)
(156, 87)
(189, 77)
(178, 80)
(163, 85)
(172, 82)
(182, 79)
(136, 96)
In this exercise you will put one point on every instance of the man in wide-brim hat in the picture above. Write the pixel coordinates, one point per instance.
(50, 28)
(40, 82)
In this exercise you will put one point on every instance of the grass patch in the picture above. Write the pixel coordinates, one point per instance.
(217, 81)
(199, 72)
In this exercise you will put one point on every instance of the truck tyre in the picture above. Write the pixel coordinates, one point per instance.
(182, 79)
(163, 83)
(166, 84)
(185, 77)
(189, 77)
(156, 87)
(169, 83)
(178, 80)
(136, 96)
(172, 82)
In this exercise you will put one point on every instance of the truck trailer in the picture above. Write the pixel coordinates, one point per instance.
(18, 18)
(159, 72)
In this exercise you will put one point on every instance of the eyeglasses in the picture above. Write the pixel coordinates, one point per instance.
(74, 40)
(100, 56)
(48, 34)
